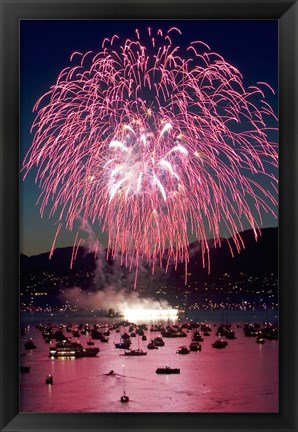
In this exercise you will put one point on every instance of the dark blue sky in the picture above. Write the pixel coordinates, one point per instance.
(46, 46)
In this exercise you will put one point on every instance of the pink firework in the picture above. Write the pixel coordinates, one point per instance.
(152, 142)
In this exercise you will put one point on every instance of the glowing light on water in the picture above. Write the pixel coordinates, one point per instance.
(140, 314)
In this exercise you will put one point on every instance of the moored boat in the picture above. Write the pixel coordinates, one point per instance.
(183, 350)
(220, 343)
(167, 370)
(72, 349)
(151, 345)
(137, 352)
(24, 368)
(158, 341)
(29, 345)
(123, 345)
(195, 346)
(49, 379)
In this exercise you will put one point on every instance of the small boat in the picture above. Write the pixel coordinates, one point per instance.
(95, 334)
(125, 336)
(90, 343)
(183, 350)
(195, 346)
(219, 344)
(158, 341)
(137, 352)
(167, 370)
(49, 379)
(111, 373)
(76, 333)
(230, 334)
(144, 338)
(124, 398)
(24, 368)
(29, 345)
(260, 340)
(151, 345)
(123, 345)
(197, 337)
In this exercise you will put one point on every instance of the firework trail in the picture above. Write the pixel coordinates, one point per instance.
(150, 142)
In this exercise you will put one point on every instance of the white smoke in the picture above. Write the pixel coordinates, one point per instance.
(109, 298)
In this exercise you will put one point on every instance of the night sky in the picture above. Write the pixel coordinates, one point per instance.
(46, 46)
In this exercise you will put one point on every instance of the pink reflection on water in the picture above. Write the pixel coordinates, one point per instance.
(240, 378)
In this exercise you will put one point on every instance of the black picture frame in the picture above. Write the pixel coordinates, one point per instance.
(11, 13)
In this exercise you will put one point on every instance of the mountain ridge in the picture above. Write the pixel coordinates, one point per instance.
(259, 256)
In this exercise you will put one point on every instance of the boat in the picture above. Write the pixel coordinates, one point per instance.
(197, 337)
(183, 350)
(95, 334)
(124, 398)
(195, 346)
(220, 343)
(135, 353)
(144, 338)
(49, 379)
(172, 333)
(24, 368)
(167, 370)
(76, 333)
(29, 345)
(123, 345)
(125, 336)
(260, 340)
(151, 345)
(230, 334)
(90, 343)
(205, 328)
(158, 341)
(72, 349)
(221, 330)
(87, 352)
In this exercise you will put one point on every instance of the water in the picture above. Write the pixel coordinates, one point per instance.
(240, 378)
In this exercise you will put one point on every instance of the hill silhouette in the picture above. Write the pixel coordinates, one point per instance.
(257, 258)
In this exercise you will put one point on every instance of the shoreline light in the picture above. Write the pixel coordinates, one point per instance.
(149, 314)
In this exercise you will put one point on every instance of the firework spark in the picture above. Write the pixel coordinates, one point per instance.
(151, 142)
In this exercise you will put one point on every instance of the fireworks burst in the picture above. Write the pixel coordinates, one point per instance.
(152, 142)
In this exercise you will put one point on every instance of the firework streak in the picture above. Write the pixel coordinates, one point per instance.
(151, 142)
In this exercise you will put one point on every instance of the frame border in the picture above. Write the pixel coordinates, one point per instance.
(11, 12)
